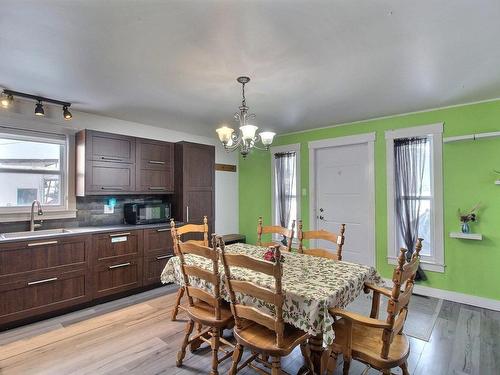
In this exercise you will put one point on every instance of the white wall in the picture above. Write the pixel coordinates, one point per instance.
(226, 183)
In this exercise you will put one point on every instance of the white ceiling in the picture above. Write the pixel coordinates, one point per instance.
(312, 63)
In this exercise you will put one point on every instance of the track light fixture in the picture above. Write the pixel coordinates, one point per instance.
(66, 113)
(39, 109)
(8, 97)
(6, 100)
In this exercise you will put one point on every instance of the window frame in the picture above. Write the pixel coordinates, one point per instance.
(434, 262)
(295, 147)
(67, 206)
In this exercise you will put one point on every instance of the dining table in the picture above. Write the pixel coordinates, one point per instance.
(311, 285)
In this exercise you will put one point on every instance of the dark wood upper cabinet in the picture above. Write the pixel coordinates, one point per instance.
(110, 147)
(194, 183)
(117, 164)
(154, 167)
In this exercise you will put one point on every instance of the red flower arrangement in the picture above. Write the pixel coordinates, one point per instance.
(270, 256)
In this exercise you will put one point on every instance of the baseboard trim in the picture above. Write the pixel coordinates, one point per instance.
(449, 295)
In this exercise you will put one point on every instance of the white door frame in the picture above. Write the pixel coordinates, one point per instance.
(369, 139)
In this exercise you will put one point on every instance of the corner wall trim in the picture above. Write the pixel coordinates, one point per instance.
(467, 299)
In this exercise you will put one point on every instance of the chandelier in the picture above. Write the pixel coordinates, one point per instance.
(246, 139)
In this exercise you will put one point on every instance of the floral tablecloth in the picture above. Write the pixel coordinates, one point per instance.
(310, 284)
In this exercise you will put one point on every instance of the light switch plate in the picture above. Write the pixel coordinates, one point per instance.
(109, 209)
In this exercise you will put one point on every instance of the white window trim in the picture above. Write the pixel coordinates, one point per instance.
(436, 261)
(295, 147)
(68, 208)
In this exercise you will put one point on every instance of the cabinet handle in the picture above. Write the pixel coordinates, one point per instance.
(120, 234)
(42, 243)
(163, 230)
(156, 162)
(110, 158)
(163, 257)
(157, 188)
(111, 188)
(120, 265)
(42, 281)
(187, 214)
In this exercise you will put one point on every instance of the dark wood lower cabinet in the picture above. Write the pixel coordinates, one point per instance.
(117, 276)
(42, 277)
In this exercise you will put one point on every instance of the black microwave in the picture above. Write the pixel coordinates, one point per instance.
(146, 213)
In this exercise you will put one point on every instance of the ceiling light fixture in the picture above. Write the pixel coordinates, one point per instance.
(246, 139)
(66, 113)
(8, 98)
(39, 109)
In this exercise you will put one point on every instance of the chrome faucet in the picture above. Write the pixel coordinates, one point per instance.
(34, 225)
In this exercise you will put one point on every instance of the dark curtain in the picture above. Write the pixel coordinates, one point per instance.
(284, 177)
(409, 160)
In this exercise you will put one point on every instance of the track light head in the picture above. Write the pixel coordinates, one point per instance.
(6, 100)
(66, 113)
(39, 109)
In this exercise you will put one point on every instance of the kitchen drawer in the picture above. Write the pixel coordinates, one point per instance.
(45, 291)
(48, 253)
(153, 266)
(158, 241)
(105, 177)
(117, 244)
(117, 276)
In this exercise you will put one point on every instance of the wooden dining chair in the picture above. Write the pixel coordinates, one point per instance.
(263, 334)
(201, 229)
(208, 309)
(337, 239)
(275, 229)
(378, 343)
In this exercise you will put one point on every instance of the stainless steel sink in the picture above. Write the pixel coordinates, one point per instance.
(38, 233)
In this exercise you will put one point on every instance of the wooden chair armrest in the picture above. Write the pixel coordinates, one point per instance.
(358, 318)
(377, 289)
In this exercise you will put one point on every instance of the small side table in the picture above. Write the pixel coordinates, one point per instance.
(233, 238)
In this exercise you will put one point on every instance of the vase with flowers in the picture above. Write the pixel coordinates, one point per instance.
(467, 217)
(270, 255)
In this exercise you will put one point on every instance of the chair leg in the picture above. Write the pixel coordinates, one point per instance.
(276, 366)
(347, 365)
(215, 351)
(182, 352)
(306, 353)
(238, 352)
(180, 293)
(404, 368)
(332, 363)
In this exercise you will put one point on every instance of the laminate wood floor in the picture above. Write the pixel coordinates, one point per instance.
(134, 335)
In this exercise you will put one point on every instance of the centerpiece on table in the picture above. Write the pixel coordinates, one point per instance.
(466, 218)
(270, 255)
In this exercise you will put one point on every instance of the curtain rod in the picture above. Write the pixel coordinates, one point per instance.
(471, 137)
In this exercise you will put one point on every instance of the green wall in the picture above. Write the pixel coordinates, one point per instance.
(471, 266)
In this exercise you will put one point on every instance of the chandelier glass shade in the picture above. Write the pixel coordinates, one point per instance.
(247, 138)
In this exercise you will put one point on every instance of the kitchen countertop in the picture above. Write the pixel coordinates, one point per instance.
(88, 230)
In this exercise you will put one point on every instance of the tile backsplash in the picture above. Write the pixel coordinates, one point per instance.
(90, 212)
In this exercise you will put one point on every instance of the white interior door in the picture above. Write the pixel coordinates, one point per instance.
(344, 194)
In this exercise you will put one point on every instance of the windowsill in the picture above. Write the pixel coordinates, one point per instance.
(425, 265)
(6, 217)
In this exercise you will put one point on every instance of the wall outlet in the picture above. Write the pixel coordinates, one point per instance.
(108, 209)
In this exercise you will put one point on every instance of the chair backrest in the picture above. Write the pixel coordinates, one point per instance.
(275, 229)
(337, 239)
(212, 276)
(268, 295)
(189, 229)
(397, 307)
